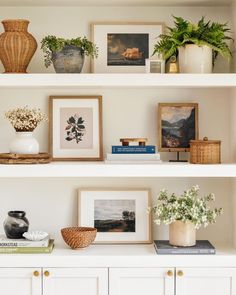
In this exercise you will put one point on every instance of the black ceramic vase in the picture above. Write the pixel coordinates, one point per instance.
(16, 224)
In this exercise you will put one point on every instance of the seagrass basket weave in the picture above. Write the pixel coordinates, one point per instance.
(78, 237)
(205, 151)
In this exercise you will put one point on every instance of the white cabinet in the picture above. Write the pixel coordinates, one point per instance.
(141, 281)
(76, 281)
(205, 281)
(22, 281)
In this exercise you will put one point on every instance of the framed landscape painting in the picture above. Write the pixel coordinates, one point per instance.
(120, 215)
(75, 128)
(124, 46)
(177, 125)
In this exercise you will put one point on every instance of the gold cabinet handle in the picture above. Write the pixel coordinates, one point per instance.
(46, 273)
(180, 273)
(170, 273)
(36, 273)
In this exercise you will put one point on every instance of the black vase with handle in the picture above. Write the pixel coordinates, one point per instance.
(16, 224)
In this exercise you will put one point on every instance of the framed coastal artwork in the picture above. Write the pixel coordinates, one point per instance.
(120, 215)
(177, 125)
(75, 128)
(124, 46)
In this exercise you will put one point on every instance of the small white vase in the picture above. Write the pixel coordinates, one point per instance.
(24, 143)
(195, 59)
(182, 234)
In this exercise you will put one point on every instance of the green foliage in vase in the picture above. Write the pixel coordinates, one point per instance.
(51, 44)
(187, 207)
(212, 34)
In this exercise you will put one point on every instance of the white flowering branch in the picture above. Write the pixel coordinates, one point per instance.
(187, 207)
(24, 119)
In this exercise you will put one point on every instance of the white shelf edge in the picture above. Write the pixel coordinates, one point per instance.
(118, 256)
(99, 169)
(118, 80)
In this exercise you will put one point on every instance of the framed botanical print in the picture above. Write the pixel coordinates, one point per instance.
(119, 215)
(177, 125)
(124, 46)
(75, 128)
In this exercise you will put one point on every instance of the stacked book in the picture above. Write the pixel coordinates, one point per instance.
(133, 154)
(202, 247)
(25, 246)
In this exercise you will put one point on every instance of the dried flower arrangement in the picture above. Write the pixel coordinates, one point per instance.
(187, 207)
(24, 119)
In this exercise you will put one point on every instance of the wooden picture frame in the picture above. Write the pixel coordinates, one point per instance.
(124, 46)
(66, 145)
(109, 202)
(175, 143)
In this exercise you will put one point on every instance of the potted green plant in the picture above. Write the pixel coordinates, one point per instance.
(197, 45)
(184, 214)
(67, 55)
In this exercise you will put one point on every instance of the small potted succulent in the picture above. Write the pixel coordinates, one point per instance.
(24, 121)
(184, 214)
(196, 45)
(67, 55)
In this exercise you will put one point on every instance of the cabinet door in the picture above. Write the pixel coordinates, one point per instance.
(141, 281)
(205, 281)
(23, 281)
(76, 281)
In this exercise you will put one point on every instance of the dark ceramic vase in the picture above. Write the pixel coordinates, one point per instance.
(16, 224)
(69, 60)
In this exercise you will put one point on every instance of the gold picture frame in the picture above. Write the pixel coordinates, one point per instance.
(171, 140)
(64, 144)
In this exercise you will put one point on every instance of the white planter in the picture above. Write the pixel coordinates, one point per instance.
(195, 59)
(24, 143)
(182, 234)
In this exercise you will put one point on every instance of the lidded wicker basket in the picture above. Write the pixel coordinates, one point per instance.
(78, 237)
(205, 151)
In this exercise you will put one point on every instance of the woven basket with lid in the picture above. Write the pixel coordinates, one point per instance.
(205, 151)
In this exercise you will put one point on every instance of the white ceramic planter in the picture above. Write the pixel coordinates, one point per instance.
(195, 59)
(24, 143)
(182, 234)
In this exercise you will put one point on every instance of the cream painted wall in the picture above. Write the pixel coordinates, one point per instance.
(74, 21)
(52, 204)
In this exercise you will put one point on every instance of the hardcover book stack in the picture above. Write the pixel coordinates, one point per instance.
(202, 247)
(25, 246)
(133, 154)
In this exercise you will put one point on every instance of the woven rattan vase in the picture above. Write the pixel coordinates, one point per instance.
(17, 46)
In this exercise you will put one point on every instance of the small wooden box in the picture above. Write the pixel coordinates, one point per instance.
(205, 151)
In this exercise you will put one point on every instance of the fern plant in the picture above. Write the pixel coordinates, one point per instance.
(212, 34)
(51, 44)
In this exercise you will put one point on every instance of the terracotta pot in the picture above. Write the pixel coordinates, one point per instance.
(195, 59)
(17, 46)
(182, 234)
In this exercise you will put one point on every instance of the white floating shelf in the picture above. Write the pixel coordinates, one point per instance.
(118, 80)
(99, 169)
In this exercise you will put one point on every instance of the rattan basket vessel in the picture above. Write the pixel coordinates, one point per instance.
(205, 151)
(79, 237)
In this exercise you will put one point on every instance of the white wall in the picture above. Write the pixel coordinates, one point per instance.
(74, 21)
(52, 203)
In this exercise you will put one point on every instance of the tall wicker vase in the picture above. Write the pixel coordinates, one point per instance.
(17, 46)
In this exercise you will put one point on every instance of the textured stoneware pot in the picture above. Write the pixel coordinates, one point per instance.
(16, 224)
(195, 59)
(24, 143)
(69, 60)
(182, 234)
(17, 46)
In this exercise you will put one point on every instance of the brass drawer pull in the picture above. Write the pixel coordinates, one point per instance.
(46, 273)
(36, 273)
(180, 273)
(170, 273)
